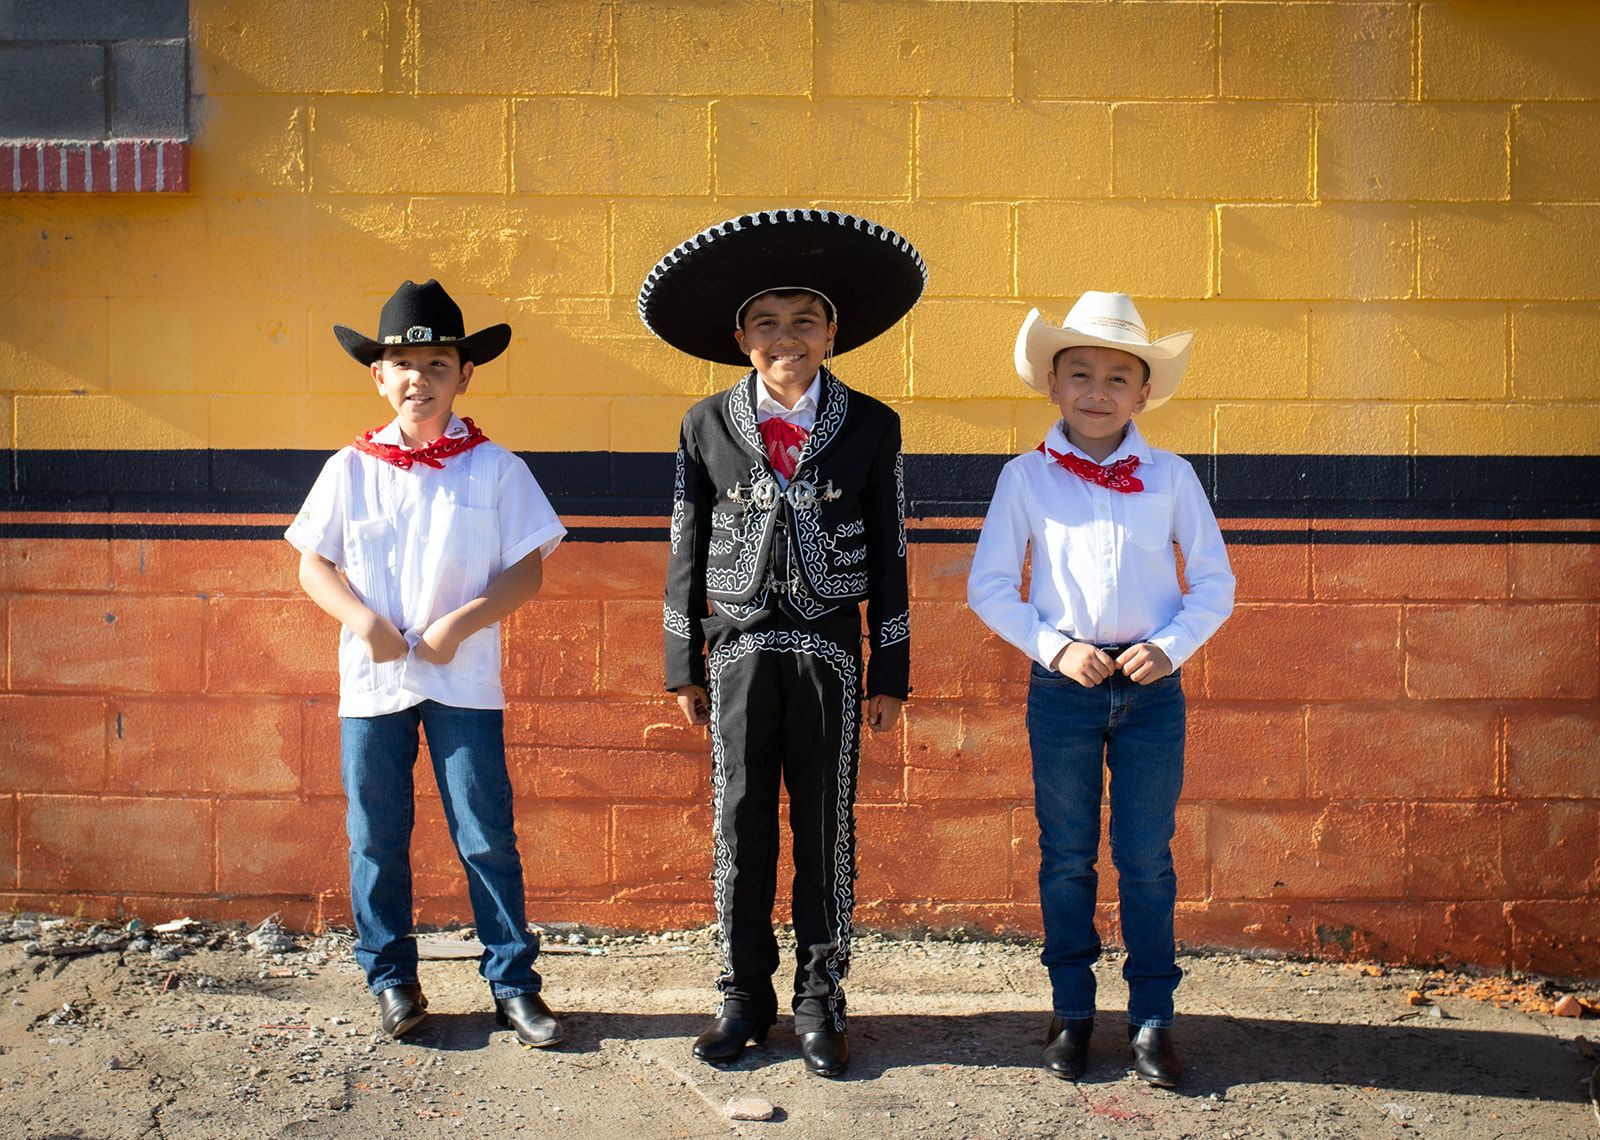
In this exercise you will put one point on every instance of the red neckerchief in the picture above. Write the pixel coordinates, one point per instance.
(1117, 477)
(431, 455)
(784, 442)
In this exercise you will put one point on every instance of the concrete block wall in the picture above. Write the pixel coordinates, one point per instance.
(1381, 216)
(86, 70)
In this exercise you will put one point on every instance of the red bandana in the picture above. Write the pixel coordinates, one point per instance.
(1118, 477)
(784, 442)
(433, 455)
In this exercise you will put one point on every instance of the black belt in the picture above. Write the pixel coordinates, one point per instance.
(1115, 651)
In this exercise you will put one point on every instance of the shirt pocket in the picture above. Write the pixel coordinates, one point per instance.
(1148, 519)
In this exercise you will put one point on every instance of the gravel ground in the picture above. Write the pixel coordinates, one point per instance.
(211, 1032)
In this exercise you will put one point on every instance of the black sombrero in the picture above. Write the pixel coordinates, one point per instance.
(424, 314)
(871, 274)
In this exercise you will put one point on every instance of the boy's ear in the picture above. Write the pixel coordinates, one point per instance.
(1144, 397)
(738, 335)
(377, 373)
(466, 376)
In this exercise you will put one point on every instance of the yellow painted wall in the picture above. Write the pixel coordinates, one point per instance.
(1384, 218)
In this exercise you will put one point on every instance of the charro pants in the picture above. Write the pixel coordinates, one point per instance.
(785, 707)
(469, 764)
(1136, 732)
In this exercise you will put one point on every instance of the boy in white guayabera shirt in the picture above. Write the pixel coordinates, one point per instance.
(1107, 627)
(419, 537)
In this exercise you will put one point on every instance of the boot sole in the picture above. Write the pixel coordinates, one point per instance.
(406, 1026)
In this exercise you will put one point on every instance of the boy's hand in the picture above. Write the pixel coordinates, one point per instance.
(883, 712)
(1144, 663)
(1084, 663)
(384, 641)
(439, 642)
(695, 703)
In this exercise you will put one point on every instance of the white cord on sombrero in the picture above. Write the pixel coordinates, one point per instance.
(738, 314)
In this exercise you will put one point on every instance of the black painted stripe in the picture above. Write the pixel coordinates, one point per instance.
(621, 484)
(1243, 536)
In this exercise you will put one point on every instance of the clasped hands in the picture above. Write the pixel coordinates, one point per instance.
(1089, 664)
(437, 645)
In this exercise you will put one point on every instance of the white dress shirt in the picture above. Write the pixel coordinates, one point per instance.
(1103, 567)
(802, 415)
(416, 545)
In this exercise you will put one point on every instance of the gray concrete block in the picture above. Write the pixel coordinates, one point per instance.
(52, 91)
(93, 19)
(150, 90)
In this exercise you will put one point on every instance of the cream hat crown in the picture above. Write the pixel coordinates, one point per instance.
(1109, 320)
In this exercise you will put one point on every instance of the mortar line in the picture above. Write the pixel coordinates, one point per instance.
(1416, 50)
(611, 41)
(1216, 51)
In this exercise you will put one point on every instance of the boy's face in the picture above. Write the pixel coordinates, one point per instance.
(421, 382)
(786, 338)
(1098, 390)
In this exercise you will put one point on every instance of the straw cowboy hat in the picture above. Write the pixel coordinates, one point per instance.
(1108, 320)
(870, 276)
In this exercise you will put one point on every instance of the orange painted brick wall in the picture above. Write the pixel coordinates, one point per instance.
(1393, 752)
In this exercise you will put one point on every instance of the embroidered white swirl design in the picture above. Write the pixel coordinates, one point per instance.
(678, 505)
(675, 623)
(893, 631)
(900, 496)
(742, 574)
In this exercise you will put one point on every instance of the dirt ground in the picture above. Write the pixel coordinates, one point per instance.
(199, 1032)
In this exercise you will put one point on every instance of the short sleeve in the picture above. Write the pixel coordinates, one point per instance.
(527, 520)
(319, 527)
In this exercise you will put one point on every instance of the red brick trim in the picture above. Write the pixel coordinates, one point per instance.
(122, 166)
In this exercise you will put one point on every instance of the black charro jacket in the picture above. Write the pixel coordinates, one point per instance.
(747, 546)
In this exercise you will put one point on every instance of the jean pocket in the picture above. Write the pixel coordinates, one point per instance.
(1040, 675)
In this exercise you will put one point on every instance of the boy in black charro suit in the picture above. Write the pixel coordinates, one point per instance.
(788, 512)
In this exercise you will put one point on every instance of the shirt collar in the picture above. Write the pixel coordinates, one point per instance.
(765, 402)
(1132, 444)
(390, 432)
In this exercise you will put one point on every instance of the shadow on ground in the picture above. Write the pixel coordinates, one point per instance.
(1219, 1052)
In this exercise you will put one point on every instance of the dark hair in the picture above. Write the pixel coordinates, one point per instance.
(786, 294)
(1142, 361)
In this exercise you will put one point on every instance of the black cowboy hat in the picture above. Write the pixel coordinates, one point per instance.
(424, 315)
(870, 274)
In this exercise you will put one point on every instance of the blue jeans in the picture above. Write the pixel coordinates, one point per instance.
(1137, 732)
(469, 765)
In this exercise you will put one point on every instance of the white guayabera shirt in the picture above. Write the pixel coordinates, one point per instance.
(416, 544)
(1103, 567)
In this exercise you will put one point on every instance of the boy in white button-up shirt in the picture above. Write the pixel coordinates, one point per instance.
(420, 537)
(1107, 627)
